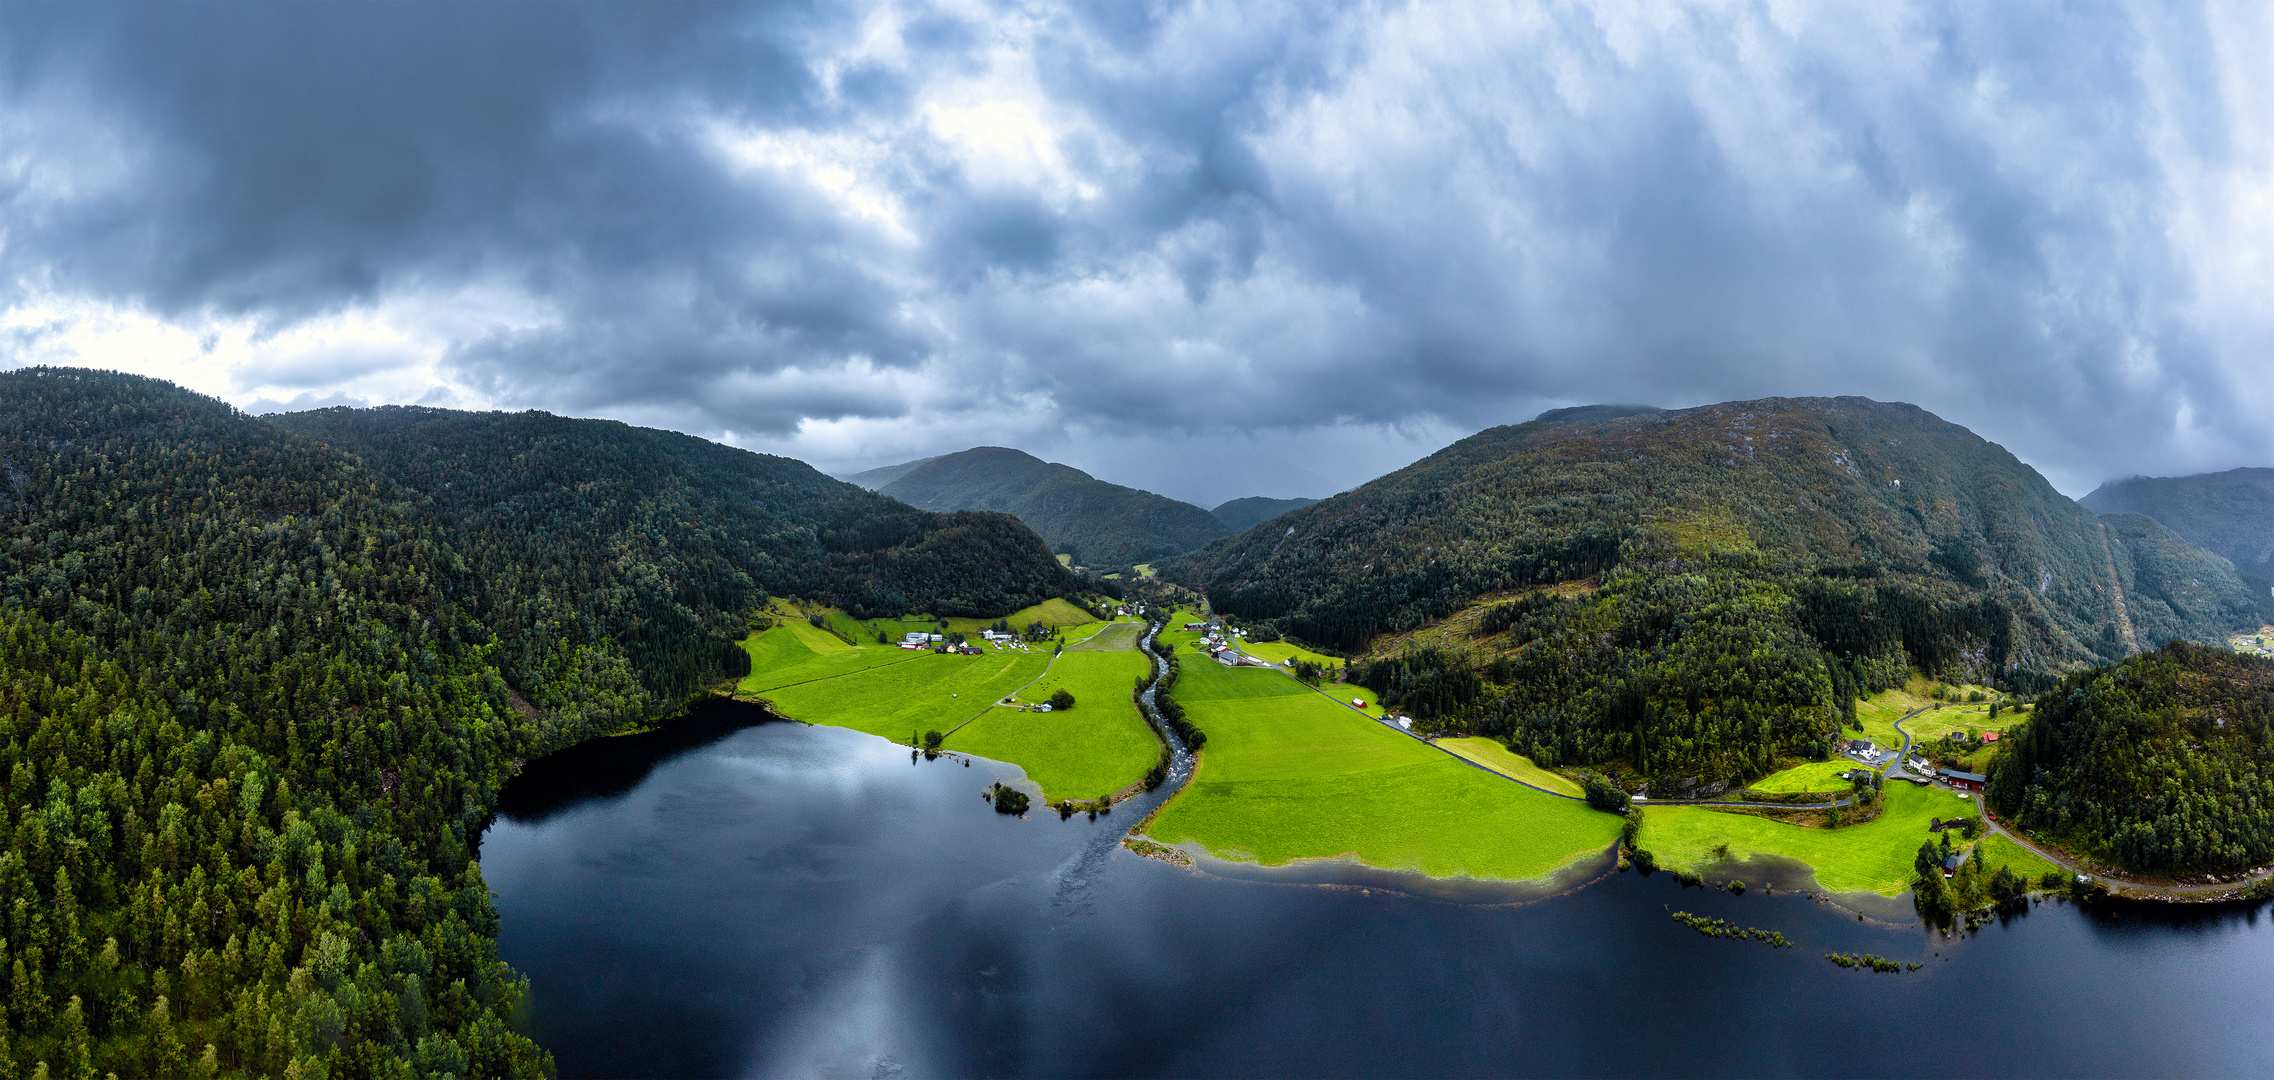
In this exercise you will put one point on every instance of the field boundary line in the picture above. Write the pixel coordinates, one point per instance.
(1030, 682)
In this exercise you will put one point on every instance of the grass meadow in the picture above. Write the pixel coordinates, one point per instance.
(1097, 748)
(1101, 746)
(1873, 857)
(1492, 755)
(1279, 652)
(1815, 776)
(1288, 774)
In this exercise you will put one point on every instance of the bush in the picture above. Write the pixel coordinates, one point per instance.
(1062, 700)
(1605, 795)
(1007, 800)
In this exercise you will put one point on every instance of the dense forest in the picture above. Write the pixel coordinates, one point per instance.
(618, 563)
(249, 735)
(1104, 526)
(2231, 513)
(1692, 595)
(2164, 762)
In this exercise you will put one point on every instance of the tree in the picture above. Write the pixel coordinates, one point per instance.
(1062, 700)
(1602, 794)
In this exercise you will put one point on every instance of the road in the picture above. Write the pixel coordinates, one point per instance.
(2117, 886)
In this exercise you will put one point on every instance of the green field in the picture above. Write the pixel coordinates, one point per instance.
(1872, 857)
(1492, 755)
(930, 692)
(1110, 637)
(1054, 613)
(1973, 719)
(1998, 851)
(1814, 776)
(795, 652)
(1279, 652)
(1097, 748)
(1287, 774)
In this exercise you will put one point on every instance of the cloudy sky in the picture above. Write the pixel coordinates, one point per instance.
(1211, 249)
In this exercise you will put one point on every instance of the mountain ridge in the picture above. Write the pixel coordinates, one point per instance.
(1103, 524)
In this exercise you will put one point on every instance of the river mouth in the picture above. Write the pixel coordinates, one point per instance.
(772, 899)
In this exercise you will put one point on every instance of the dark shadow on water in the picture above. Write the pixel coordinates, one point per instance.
(606, 768)
(1342, 873)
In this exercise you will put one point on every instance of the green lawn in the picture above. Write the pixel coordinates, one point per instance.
(1492, 755)
(1814, 776)
(1873, 857)
(1288, 774)
(1097, 748)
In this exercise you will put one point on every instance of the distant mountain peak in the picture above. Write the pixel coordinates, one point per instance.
(1099, 523)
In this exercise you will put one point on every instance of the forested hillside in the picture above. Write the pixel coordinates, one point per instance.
(1240, 515)
(618, 563)
(2164, 762)
(2231, 513)
(1105, 526)
(249, 736)
(2172, 586)
(1723, 579)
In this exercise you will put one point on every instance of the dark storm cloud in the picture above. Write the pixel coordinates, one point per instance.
(905, 228)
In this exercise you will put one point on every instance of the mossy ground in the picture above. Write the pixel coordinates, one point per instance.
(1289, 774)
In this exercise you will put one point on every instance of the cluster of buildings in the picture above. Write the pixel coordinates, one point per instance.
(917, 641)
(1220, 647)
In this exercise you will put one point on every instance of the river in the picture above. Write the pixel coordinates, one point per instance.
(730, 899)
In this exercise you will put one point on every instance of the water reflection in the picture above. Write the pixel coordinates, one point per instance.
(779, 900)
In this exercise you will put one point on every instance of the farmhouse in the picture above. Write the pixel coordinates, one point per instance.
(1966, 780)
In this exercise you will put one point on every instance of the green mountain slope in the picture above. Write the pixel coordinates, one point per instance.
(877, 478)
(1240, 515)
(618, 563)
(2231, 513)
(2172, 587)
(2164, 762)
(1100, 524)
(251, 732)
(1727, 579)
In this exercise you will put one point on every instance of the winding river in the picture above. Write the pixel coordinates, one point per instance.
(733, 898)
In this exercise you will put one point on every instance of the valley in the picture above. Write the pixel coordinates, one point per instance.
(282, 670)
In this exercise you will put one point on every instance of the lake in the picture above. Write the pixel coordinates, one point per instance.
(729, 899)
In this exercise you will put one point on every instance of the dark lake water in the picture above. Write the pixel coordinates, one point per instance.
(778, 900)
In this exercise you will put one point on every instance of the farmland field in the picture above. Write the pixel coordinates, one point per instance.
(1492, 755)
(1872, 857)
(1288, 774)
(1814, 776)
(930, 692)
(809, 674)
(1096, 749)
(1279, 652)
